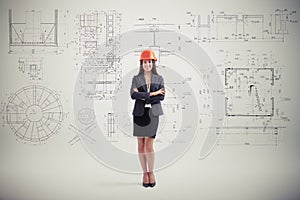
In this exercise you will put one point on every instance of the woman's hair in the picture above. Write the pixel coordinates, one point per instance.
(154, 71)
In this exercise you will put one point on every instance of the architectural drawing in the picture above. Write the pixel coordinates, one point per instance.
(34, 113)
(32, 67)
(81, 134)
(237, 27)
(86, 116)
(253, 99)
(100, 65)
(37, 32)
(249, 91)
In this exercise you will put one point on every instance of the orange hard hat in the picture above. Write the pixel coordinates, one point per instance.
(148, 55)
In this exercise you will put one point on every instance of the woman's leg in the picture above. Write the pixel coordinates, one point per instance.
(150, 157)
(142, 157)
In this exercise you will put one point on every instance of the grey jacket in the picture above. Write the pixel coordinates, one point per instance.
(142, 97)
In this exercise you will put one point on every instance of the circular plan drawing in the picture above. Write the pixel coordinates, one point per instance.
(34, 113)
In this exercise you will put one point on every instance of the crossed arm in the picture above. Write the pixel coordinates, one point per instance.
(148, 97)
(154, 97)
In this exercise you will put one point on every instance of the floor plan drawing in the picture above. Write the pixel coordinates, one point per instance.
(253, 99)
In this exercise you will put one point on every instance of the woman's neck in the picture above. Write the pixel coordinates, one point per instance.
(147, 73)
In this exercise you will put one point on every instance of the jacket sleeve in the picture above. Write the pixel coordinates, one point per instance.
(138, 95)
(157, 98)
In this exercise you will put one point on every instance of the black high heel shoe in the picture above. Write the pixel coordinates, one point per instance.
(152, 184)
(146, 184)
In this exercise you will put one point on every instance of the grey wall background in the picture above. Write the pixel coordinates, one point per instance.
(58, 170)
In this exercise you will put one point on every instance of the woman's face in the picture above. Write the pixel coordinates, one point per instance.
(147, 65)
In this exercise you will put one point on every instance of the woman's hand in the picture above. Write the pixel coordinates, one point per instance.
(160, 91)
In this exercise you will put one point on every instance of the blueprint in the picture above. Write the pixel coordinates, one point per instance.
(230, 74)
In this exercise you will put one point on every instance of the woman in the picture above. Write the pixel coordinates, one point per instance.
(148, 90)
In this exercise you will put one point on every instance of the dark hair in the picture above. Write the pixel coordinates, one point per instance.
(154, 71)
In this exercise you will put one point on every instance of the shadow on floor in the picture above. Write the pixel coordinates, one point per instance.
(116, 183)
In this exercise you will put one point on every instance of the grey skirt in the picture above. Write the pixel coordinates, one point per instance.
(146, 125)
